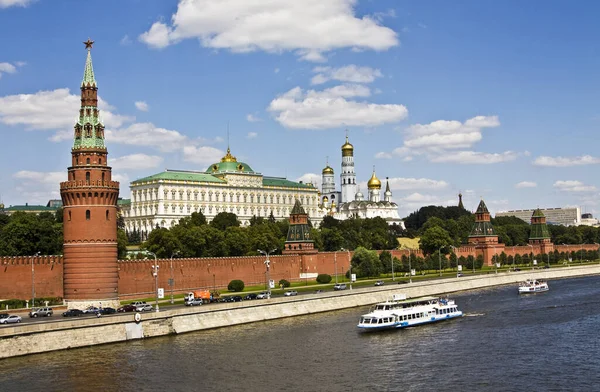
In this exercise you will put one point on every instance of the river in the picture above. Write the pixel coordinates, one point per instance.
(506, 342)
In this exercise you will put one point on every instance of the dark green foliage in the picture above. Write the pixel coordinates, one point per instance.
(236, 285)
(284, 283)
(26, 234)
(121, 244)
(365, 263)
(323, 278)
(418, 218)
(223, 220)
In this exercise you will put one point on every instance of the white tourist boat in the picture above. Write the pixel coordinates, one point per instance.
(400, 312)
(533, 286)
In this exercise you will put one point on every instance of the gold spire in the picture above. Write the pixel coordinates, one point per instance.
(228, 157)
(374, 182)
(347, 148)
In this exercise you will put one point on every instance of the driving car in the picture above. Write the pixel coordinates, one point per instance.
(339, 286)
(290, 293)
(11, 319)
(38, 312)
(144, 308)
(139, 304)
(107, 310)
(72, 313)
(379, 283)
(4, 315)
(127, 308)
(262, 296)
(194, 302)
(91, 310)
(251, 296)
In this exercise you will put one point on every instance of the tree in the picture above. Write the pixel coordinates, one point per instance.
(365, 263)
(433, 239)
(162, 242)
(223, 220)
(121, 244)
(385, 258)
(236, 241)
(333, 240)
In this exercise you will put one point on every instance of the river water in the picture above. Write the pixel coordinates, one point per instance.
(506, 342)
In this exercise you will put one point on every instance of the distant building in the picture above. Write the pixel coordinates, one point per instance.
(554, 216)
(51, 207)
(588, 219)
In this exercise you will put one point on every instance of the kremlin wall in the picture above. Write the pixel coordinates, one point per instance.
(135, 279)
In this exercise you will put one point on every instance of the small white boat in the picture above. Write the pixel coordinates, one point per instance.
(400, 312)
(533, 286)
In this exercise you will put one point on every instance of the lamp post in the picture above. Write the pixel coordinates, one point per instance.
(393, 276)
(172, 281)
(529, 245)
(514, 254)
(598, 251)
(335, 263)
(409, 267)
(33, 280)
(581, 254)
(350, 270)
(440, 259)
(268, 265)
(568, 253)
(155, 273)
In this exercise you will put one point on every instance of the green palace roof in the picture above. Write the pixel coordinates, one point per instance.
(180, 175)
(27, 207)
(227, 167)
(282, 182)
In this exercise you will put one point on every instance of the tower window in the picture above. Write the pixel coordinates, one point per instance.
(87, 161)
(100, 161)
(87, 214)
(87, 177)
(102, 177)
(107, 215)
(69, 215)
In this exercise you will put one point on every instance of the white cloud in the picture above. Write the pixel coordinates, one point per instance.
(149, 135)
(202, 155)
(573, 186)
(565, 162)
(349, 73)
(142, 106)
(276, 70)
(311, 178)
(310, 27)
(11, 3)
(399, 183)
(253, 118)
(526, 184)
(10, 68)
(136, 162)
(38, 187)
(329, 109)
(474, 157)
(252, 135)
(383, 155)
(125, 40)
(52, 110)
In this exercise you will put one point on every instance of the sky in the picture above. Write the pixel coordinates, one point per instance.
(494, 99)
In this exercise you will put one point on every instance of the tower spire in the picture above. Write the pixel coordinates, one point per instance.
(88, 75)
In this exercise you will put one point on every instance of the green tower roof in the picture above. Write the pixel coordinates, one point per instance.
(482, 208)
(538, 214)
(298, 209)
(88, 73)
(538, 230)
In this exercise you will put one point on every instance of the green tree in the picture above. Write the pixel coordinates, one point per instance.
(434, 238)
(236, 241)
(223, 220)
(333, 239)
(121, 244)
(365, 263)
(385, 258)
(162, 242)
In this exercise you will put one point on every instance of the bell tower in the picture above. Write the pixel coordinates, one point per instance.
(89, 199)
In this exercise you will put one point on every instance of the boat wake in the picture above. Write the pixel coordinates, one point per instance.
(473, 314)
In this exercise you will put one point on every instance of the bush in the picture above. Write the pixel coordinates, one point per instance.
(13, 304)
(323, 278)
(236, 285)
(284, 283)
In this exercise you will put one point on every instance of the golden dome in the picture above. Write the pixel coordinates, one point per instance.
(325, 199)
(374, 182)
(328, 170)
(228, 157)
(347, 149)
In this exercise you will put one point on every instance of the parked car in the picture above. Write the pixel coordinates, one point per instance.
(139, 304)
(4, 315)
(144, 308)
(251, 296)
(379, 283)
(127, 308)
(107, 310)
(72, 313)
(194, 302)
(11, 319)
(262, 296)
(39, 312)
(339, 286)
(91, 310)
(290, 293)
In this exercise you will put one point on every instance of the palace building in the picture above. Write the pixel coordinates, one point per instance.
(160, 200)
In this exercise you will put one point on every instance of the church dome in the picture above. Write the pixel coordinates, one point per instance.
(347, 149)
(328, 170)
(374, 182)
(359, 196)
(229, 163)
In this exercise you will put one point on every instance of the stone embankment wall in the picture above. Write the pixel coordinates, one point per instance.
(136, 280)
(49, 336)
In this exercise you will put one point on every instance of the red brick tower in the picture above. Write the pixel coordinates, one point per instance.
(483, 235)
(90, 208)
(298, 240)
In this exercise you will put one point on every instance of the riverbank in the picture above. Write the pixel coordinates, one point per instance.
(65, 334)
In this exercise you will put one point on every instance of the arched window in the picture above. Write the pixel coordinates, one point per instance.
(103, 177)
(100, 161)
(69, 215)
(107, 215)
(87, 161)
(87, 177)
(87, 214)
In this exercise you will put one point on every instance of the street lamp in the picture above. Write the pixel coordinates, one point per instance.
(335, 263)
(581, 254)
(529, 245)
(267, 264)
(409, 267)
(568, 253)
(155, 268)
(440, 259)
(393, 276)
(350, 261)
(514, 255)
(33, 280)
(172, 281)
(598, 251)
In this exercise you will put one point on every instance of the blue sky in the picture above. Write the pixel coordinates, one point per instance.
(495, 99)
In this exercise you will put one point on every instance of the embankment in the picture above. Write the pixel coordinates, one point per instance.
(47, 336)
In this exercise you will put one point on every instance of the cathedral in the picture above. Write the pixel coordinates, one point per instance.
(350, 202)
